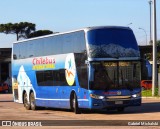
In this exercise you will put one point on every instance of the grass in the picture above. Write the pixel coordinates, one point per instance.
(148, 93)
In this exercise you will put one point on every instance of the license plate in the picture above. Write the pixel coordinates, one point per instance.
(118, 102)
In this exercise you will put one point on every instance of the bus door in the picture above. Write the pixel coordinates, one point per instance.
(83, 95)
(83, 98)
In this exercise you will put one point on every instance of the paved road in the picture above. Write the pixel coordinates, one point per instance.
(150, 110)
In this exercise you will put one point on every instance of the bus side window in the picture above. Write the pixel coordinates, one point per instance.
(51, 78)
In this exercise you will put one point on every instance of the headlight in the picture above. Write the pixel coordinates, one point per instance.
(96, 96)
(136, 95)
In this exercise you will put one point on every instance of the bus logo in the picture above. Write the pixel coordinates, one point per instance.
(70, 69)
(119, 93)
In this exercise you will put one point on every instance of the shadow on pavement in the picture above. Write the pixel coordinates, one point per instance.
(144, 108)
(6, 100)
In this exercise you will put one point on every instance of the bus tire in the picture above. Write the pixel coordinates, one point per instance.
(26, 103)
(74, 104)
(32, 101)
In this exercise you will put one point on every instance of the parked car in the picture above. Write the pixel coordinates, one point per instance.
(146, 84)
(4, 87)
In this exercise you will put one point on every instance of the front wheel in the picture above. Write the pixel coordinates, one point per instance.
(74, 104)
(27, 104)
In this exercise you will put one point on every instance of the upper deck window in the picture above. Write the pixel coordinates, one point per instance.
(73, 42)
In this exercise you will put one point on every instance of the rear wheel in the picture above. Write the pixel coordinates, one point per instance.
(27, 104)
(74, 104)
(33, 103)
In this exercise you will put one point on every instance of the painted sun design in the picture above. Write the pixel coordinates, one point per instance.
(70, 69)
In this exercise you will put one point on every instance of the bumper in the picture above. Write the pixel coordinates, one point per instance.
(113, 104)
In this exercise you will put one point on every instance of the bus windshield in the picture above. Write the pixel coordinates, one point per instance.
(115, 75)
(112, 43)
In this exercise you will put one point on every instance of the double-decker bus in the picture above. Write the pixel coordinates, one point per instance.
(91, 68)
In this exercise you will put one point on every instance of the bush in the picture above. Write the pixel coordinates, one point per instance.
(148, 93)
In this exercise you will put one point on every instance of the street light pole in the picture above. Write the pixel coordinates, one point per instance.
(154, 73)
(145, 34)
(150, 2)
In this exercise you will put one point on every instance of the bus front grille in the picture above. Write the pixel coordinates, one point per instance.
(115, 98)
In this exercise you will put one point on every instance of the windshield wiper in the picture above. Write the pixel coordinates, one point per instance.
(122, 77)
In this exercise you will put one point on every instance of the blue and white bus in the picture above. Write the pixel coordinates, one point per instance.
(91, 68)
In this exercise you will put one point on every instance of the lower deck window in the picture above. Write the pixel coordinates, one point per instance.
(51, 78)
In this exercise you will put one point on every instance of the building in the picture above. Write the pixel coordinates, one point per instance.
(5, 63)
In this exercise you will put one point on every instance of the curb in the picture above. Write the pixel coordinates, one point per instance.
(150, 97)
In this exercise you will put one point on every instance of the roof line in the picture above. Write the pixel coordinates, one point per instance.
(84, 29)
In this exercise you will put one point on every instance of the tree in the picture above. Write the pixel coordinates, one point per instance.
(26, 29)
(149, 55)
(22, 29)
(39, 33)
(158, 43)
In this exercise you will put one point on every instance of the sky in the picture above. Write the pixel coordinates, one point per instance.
(67, 15)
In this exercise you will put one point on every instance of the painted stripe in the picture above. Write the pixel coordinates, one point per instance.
(60, 99)
(53, 99)
(83, 100)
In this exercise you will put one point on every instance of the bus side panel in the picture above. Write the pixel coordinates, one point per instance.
(65, 93)
(22, 81)
(48, 96)
(25, 75)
